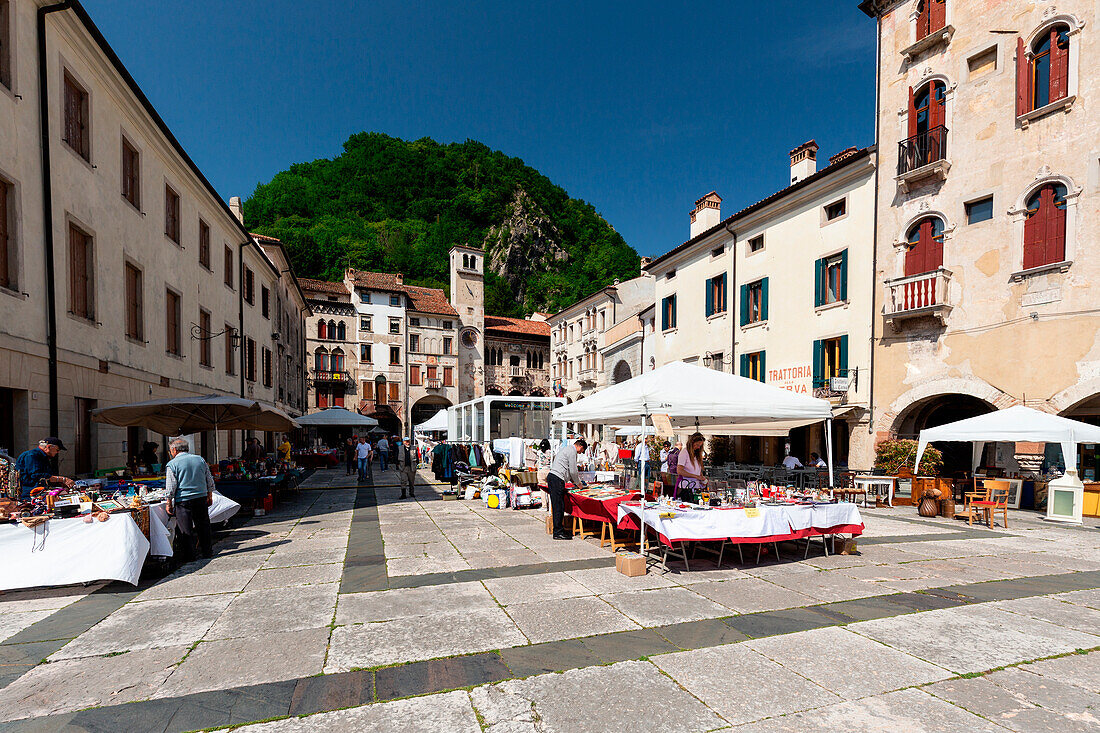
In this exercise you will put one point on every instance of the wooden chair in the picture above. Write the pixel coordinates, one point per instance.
(969, 497)
(997, 502)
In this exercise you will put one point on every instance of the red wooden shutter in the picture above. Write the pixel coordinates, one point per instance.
(78, 276)
(1023, 79)
(1035, 233)
(923, 16)
(937, 15)
(1059, 68)
(338, 398)
(393, 392)
(937, 103)
(912, 113)
(1055, 249)
(368, 390)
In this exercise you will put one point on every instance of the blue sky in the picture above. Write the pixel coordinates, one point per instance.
(638, 108)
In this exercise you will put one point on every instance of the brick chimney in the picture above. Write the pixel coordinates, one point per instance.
(645, 264)
(846, 153)
(804, 161)
(706, 214)
(399, 278)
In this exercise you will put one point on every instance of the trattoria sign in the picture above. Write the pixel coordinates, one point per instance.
(795, 379)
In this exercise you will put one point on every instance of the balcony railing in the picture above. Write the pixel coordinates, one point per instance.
(433, 383)
(918, 295)
(588, 375)
(323, 375)
(922, 150)
(516, 372)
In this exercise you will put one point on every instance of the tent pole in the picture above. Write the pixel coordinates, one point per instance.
(642, 475)
(829, 447)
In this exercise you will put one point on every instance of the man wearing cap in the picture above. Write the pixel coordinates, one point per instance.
(406, 463)
(36, 466)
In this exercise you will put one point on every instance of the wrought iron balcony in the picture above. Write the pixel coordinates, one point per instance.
(917, 296)
(326, 376)
(923, 156)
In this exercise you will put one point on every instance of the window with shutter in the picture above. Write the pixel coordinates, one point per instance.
(764, 299)
(414, 375)
(395, 355)
(1042, 78)
(668, 313)
(229, 266)
(230, 361)
(81, 285)
(924, 252)
(76, 118)
(368, 390)
(172, 322)
(5, 43)
(131, 174)
(819, 282)
(394, 392)
(755, 302)
(931, 17)
(7, 276)
(204, 244)
(448, 376)
(204, 343)
(752, 366)
(1045, 227)
(135, 328)
(171, 214)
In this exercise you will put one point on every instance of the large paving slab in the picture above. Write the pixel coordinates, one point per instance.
(216, 665)
(72, 684)
(12, 622)
(184, 584)
(532, 588)
(741, 684)
(974, 638)
(260, 612)
(148, 625)
(449, 711)
(748, 595)
(665, 606)
(629, 697)
(385, 605)
(881, 669)
(567, 618)
(420, 637)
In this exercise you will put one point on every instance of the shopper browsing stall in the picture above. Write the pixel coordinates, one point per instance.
(562, 469)
(190, 487)
(36, 466)
(689, 468)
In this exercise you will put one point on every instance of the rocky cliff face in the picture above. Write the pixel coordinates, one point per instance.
(524, 244)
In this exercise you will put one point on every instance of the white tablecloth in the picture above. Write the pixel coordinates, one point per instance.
(160, 524)
(771, 522)
(72, 552)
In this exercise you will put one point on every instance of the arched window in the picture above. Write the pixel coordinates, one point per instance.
(322, 330)
(336, 361)
(542, 360)
(1042, 75)
(332, 330)
(341, 331)
(320, 359)
(379, 389)
(622, 372)
(1045, 227)
(925, 246)
(927, 136)
(473, 262)
(466, 261)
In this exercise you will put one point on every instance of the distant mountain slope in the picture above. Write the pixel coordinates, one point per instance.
(391, 205)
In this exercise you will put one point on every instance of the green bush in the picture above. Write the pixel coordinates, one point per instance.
(893, 455)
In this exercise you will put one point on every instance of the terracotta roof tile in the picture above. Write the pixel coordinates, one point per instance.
(429, 300)
(322, 286)
(264, 238)
(517, 326)
(378, 281)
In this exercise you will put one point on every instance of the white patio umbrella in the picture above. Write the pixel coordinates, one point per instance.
(184, 415)
(1014, 424)
(694, 397)
(336, 417)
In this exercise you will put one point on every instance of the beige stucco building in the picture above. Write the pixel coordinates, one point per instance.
(781, 292)
(987, 209)
(122, 272)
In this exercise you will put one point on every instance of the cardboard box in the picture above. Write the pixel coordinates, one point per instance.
(630, 564)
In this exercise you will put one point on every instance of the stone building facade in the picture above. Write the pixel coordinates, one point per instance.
(122, 271)
(989, 191)
(517, 356)
(332, 346)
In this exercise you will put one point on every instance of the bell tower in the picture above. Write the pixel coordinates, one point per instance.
(468, 298)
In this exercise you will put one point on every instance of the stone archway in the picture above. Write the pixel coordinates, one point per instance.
(621, 372)
(939, 410)
(426, 407)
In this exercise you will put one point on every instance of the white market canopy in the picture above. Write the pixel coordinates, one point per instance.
(1016, 424)
(435, 423)
(691, 396)
(336, 417)
(626, 431)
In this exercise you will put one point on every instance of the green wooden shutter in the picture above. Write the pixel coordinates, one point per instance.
(722, 300)
(744, 304)
(763, 367)
(673, 311)
(843, 367)
(764, 299)
(708, 296)
(664, 314)
(844, 276)
(819, 362)
(819, 282)
(744, 365)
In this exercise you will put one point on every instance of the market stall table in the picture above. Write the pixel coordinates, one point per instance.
(679, 523)
(597, 504)
(67, 551)
(876, 486)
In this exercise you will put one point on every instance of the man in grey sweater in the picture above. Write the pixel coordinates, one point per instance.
(563, 468)
(190, 487)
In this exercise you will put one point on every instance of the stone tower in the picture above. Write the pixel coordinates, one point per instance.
(468, 298)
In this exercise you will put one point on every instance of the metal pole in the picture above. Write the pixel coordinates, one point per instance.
(642, 475)
(829, 447)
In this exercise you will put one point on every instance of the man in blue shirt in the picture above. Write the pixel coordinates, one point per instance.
(190, 487)
(36, 465)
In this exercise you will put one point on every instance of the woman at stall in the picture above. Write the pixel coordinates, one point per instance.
(689, 469)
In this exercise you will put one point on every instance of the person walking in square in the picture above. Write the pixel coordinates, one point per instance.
(562, 469)
(363, 454)
(407, 467)
(350, 456)
(383, 452)
(190, 487)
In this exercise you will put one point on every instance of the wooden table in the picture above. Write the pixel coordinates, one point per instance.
(876, 485)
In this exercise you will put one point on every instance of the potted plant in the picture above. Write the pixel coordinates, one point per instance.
(895, 458)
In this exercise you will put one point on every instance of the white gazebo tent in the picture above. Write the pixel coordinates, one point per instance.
(697, 398)
(435, 423)
(632, 431)
(1022, 424)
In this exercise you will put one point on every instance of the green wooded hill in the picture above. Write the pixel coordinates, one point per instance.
(391, 205)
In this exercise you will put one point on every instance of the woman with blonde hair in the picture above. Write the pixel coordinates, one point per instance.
(689, 468)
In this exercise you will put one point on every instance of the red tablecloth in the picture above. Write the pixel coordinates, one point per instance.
(598, 510)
